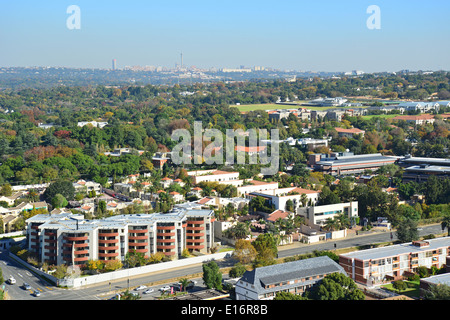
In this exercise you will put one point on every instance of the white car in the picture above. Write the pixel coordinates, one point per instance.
(11, 280)
(141, 288)
(150, 290)
(165, 288)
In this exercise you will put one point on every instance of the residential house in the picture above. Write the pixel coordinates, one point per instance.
(349, 133)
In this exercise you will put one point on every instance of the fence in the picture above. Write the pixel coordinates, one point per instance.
(124, 273)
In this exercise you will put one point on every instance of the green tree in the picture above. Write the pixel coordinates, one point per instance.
(212, 277)
(237, 270)
(6, 190)
(407, 231)
(65, 188)
(445, 223)
(437, 292)
(399, 285)
(336, 286)
(58, 201)
(266, 248)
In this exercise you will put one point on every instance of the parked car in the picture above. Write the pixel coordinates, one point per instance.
(36, 293)
(165, 288)
(149, 290)
(11, 280)
(141, 288)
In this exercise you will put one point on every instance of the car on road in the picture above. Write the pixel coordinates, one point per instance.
(141, 288)
(11, 280)
(165, 288)
(26, 286)
(149, 290)
(36, 293)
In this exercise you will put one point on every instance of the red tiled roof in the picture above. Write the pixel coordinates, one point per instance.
(352, 130)
(274, 216)
(250, 149)
(417, 117)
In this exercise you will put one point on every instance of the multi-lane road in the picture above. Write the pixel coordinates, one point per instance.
(156, 280)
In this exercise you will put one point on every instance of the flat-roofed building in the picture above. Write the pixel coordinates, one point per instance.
(279, 197)
(295, 277)
(213, 176)
(423, 172)
(380, 265)
(72, 240)
(318, 215)
(341, 165)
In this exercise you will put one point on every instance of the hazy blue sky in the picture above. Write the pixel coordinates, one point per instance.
(321, 35)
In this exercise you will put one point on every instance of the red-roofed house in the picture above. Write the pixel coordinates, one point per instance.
(417, 119)
(278, 214)
(251, 150)
(349, 133)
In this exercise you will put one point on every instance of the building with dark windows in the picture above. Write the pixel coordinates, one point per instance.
(69, 239)
(295, 277)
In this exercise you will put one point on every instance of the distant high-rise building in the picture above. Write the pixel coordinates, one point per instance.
(114, 64)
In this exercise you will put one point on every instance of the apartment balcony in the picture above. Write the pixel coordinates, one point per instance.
(137, 244)
(165, 246)
(195, 234)
(165, 228)
(137, 230)
(188, 241)
(195, 247)
(108, 234)
(107, 248)
(108, 254)
(165, 234)
(78, 238)
(103, 241)
(137, 237)
(195, 222)
(194, 228)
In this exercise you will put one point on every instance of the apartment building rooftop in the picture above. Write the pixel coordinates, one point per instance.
(399, 249)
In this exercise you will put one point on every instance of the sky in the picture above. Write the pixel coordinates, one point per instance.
(320, 35)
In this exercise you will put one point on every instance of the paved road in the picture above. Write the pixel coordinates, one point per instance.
(105, 290)
(352, 241)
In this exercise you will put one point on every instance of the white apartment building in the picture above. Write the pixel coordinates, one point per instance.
(384, 264)
(213, 176)
(318, 215)
(255, 186)
(280, 197)
(70, 239)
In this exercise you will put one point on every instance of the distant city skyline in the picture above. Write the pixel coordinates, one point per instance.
(325, 35)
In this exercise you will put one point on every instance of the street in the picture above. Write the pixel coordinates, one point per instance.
(157, 280)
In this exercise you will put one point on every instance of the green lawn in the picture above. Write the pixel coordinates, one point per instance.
(384, 116)
(413, 292)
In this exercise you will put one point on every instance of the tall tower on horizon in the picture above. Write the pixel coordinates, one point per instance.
(181, 60)
(114, 64)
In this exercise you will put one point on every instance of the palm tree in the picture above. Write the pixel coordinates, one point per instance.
(342, 221)
(446, 224)
(330, 224)
(240, 230)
